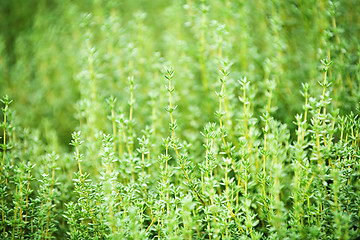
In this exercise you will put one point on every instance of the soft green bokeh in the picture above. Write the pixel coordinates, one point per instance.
(43, 51)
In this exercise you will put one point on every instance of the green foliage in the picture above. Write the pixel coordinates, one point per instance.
(255, 134)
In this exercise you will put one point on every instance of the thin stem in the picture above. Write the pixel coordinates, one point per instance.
(172, 122)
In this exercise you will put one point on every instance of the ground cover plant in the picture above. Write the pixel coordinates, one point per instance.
(187, 119)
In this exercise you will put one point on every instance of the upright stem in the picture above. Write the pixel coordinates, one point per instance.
(227, 148)
(6, 101)
(4, 140)
(169, 76)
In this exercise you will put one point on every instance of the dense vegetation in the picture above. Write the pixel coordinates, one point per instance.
(186, 119)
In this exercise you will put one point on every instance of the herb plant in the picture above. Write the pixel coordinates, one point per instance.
(180, 120)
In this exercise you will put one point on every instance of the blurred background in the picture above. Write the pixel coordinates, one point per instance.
(60, 60)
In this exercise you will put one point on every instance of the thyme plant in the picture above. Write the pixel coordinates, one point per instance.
(252, 133)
